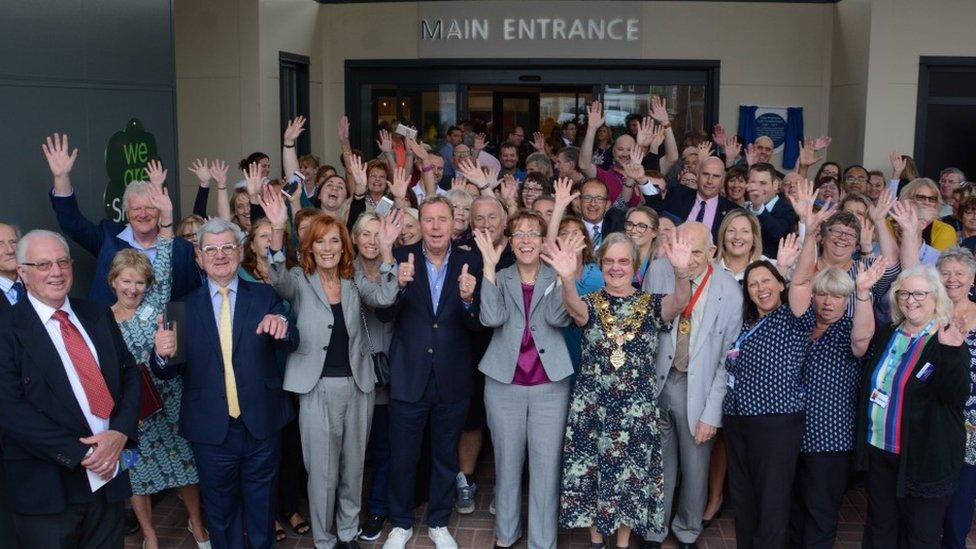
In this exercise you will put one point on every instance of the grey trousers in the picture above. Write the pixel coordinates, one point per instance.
(682, 454)
(334, 419)
(521, 417)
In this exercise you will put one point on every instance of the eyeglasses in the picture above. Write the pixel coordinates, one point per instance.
(142, 209)
(590, 198)
(926, 198)
(45, 266)
(855, 179)
(224, 249)
(462, 154)
(525, 235)
(639, 228)
(841, 235)
(917, 295)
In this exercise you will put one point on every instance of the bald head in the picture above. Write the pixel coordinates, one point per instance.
(622, 147)
(764, 146)
(702, 249)
(711, 172)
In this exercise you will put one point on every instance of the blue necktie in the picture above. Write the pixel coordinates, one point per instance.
(597, 237)
(701, 212)
(19, 292)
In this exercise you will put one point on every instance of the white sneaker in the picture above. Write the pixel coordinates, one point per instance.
(398, 538)
(442, 538)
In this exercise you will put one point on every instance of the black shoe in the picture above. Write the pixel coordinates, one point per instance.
(708, 522)
(131, 523)
(351, 544)
(652, 545)
(683, 545)
(372, 528)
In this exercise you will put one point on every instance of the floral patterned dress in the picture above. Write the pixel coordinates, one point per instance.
(612, 464)
(165, 458)
(969, 412)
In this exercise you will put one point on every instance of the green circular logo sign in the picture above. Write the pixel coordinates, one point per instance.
(126, 155)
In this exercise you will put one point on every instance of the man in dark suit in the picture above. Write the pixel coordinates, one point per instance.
(704, 205)
(233, 404)
(108, 237)
(431, 366)
(776, 215)
(70, 395)
(12, 288)
(595, 209)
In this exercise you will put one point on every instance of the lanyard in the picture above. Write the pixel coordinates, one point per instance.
(910, 350)
(698, 292)
(641, 274)
(743, 337)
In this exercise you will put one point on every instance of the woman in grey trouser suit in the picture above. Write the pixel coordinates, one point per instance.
(331, 370)
(527, 371)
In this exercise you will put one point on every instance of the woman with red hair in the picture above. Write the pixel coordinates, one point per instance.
(331, 371)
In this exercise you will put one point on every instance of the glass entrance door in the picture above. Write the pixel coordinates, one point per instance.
(514, 109)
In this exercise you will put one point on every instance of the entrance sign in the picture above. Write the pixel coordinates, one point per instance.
(530, 29)
(126, 155)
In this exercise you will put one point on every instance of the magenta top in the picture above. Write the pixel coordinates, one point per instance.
(528, 368)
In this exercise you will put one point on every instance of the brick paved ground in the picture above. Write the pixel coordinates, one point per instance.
(475, 530)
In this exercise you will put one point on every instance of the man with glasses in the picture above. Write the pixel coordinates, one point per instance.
(855, 179)
(108, 237)
(233, 404)
(70, 395)
(594, 207)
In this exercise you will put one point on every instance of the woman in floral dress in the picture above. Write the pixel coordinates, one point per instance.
(165, 458)
(613, 477)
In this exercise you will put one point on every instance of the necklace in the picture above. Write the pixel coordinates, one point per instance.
(618, 330)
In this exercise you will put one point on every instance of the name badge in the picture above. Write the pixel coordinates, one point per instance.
(733, 353)
(730, 383)
(925, 371)
(880, 398)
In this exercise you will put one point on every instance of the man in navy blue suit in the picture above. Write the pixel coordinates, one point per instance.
(776, 216)
(233, 405)
(431, 368)
(108, 237)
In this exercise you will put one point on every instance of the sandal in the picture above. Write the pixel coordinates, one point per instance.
(302, 528)
(280, 534)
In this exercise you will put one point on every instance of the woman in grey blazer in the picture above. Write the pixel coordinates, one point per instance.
(331, 370)
(527, 371)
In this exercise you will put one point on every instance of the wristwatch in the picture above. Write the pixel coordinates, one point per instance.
(868, 298)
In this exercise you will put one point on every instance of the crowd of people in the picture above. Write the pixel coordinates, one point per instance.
(650, 326)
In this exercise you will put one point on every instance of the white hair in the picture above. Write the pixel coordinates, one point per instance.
(140, 188)
(943, 306)
(219, 226)
(24, 243)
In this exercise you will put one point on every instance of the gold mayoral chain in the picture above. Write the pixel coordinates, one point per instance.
(621, 331)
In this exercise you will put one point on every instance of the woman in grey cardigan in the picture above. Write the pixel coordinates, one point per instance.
(527, 370)
(331, 369)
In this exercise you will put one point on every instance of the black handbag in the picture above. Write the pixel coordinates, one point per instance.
(381, 362)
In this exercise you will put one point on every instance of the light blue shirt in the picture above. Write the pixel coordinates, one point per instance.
(436, 277)
(130, 239)
(217, 300)
(7, 287)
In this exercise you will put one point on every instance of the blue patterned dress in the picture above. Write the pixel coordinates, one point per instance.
(165, 458)
(969, 413)
(612, 462)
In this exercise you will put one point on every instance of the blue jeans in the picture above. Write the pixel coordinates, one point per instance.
(959, 514)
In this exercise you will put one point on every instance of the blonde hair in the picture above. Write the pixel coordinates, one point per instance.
(757, 247)
(833, 281)
(912, 188)
(129, 258)
(943, 307)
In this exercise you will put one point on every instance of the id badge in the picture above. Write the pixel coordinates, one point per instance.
(733, 353)
(924, 373)
(730, 382)
(880, 398)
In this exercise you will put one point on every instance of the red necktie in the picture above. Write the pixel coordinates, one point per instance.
(99, 399)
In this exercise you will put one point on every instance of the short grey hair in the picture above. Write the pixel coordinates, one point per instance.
(960, 254)
(492, 200)
(135, 188)
(943, 306)
(956, 171)
(12, 226)
(219, 226)
(618, 238)
(542, 158)
(459, 198)
(24, 243)
(833, 281)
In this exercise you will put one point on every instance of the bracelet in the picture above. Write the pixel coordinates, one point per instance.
(273, 228)
(165, 226)
(666, 125)
(868, 298)
(287, 146)
(428, 168)
(219, 188)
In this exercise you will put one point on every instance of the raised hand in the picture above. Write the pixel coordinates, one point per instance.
(385, 142)
(951, 335)
(645, 132)
(401, 183)
(879, 210)
(905, 214)
(159, 198)
(897, 164)
(808, 153)
(466, 284)
(732, 149)
(539, 142)
(564, 195)
(678, 251)
(274, 207)
(59, 160)
(200, 169)
(254, 179)
(357, 169)
(390, 227)
(804, 199)
(459, 182)
(815, 219)
(418, 150)
(405, 272)
(561, 255)
(704, 151)
(821, 142)
(490, 254)
(156, 173)
(509, 189)
(752, 155)
(594, 115)
(479, 142)
(659, 109)
(218, 170)
(491, 175)
(294, 129)
(867, 233)
(343, 128)
(867, 277)
(789, 251)
(635, 168)
(718, 135)
(470, 170)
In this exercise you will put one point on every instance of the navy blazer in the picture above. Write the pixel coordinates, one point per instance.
(776, 224)
(425, 343)
(101, 241)
(264, 405)
(40, 418)
(613, 222)
(681, 200)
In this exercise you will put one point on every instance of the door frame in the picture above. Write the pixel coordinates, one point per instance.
(497, 100)
(360, 73)
(926, 65)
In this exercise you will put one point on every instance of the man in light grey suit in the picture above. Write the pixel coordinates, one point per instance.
(691, 378)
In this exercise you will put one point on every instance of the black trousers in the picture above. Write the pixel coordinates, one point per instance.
(894, 522)
(762, 454)
(821, 480)
(292, 478)
(96, 525)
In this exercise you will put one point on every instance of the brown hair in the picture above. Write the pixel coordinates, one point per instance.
(587, 253)
(321, 225)
(250, 261)
(525, 215)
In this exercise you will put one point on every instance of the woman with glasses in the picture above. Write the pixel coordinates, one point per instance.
(911, 435)
(188, 227)
(612, 473)
(142, 290)
(641, 226)
(535, 185)
(957, 267)
(924, 194)
(527, 371)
